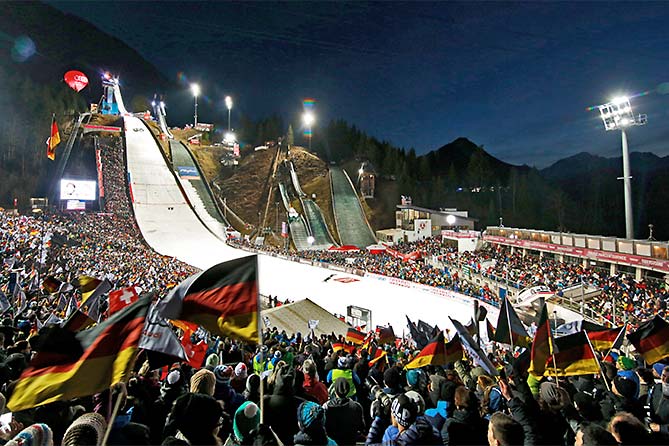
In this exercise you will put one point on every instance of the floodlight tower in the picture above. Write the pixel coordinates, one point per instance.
(195, 89)
(617, 115)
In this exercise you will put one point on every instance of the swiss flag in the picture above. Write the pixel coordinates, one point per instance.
(194, 352)
(119, 299)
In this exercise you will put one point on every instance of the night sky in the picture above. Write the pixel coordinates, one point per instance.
(516, 78)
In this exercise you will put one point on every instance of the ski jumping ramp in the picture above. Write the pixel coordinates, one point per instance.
(171, 227)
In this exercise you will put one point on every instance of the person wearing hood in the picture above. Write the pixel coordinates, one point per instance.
(195, 418)
(280, 410)
(466, 425)
(312, 385)
(252, 390)
(311, 423)
(344, 417)
(659, 407)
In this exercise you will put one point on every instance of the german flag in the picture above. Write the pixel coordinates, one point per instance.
(541, 346)
(605, 340)
(78, 321)
(337, 346)
(434, 353)
(87, 285)
(367, 343)
(51, 285)
(454, 351)
(349, 348)
(70, 365)
(386, 334)
(354, 336)
(518, 334)
(53, 140)
(651, 340)
(377, 355)
(573, 356)
(222, 299)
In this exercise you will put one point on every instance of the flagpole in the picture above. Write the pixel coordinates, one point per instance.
(615, 341)
(260, 343)
(599, 364)
(550, 337)
(508, 321)
(110, 423)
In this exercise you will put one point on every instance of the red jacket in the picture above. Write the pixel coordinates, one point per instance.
(316, 389)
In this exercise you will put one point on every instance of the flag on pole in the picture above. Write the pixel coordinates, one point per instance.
(159, 342)
(417, 335)
(454, 350)
(377, 355)
(119, 299)
(651, 340)
(70, 365)
(434, 353)
(354, 336)
(337, 346)
(542, 345)
(53, 140)
(386, 334)
(518, 333)
(77, 321)
(473, 350)
(605, 340)
(573, 356)
(222, 299)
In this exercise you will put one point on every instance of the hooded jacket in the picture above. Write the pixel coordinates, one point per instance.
(344, 420)
(420, 432)
(465, 428)
(281, 408)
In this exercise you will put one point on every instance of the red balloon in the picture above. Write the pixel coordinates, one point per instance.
(76, 80)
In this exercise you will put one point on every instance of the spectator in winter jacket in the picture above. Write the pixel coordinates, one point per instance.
(312, 384)
(465, 427)
(412, 427)
(344, 420)
(659, 408)
(311, 422)
(503, 430)
(281, 407)
(621, 399)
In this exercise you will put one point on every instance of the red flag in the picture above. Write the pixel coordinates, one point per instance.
(119, 299)
(53, 140)
(194, 352)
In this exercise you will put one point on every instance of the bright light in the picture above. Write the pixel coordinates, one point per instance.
(361, 171)
(311, 239)
(153, 103)
(229, 137)
(228, 102)
(620, 100)
(162, 104)
(450, 219)
(308, 118)
(624, 122)
(195, 88)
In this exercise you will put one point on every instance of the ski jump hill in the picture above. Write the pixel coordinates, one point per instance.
(172, 225)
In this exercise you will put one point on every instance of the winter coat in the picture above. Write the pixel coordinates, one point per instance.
(281, 408)
(420, 432)
(465, 428)
(612, 403)
(659, 410)
(376, 431)
(344, 420)
(316, 389)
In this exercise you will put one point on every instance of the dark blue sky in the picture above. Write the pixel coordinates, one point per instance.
(514, 77)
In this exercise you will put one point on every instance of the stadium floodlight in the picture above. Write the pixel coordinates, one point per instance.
(311, 240)
(229, 138)
(195, 88)
(450, 219)
(618, 115)
(228, 104)
(308, 118)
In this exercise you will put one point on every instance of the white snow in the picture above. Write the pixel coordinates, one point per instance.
(170, 226)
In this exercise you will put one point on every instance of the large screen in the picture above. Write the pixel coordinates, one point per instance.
(77, 190)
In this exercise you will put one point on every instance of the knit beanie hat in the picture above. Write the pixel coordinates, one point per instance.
(203, 381)
(246, 423)
(174, 378)
(549, 392)
(342, 387)
(310, 416)
(35, 435)
(212, 361)
(412, 377)
(88, 429)
(196, 415)
(241, 371)
(625, 363)
(404, 410)
(417, 399)
(223, 373)
(625, 387)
